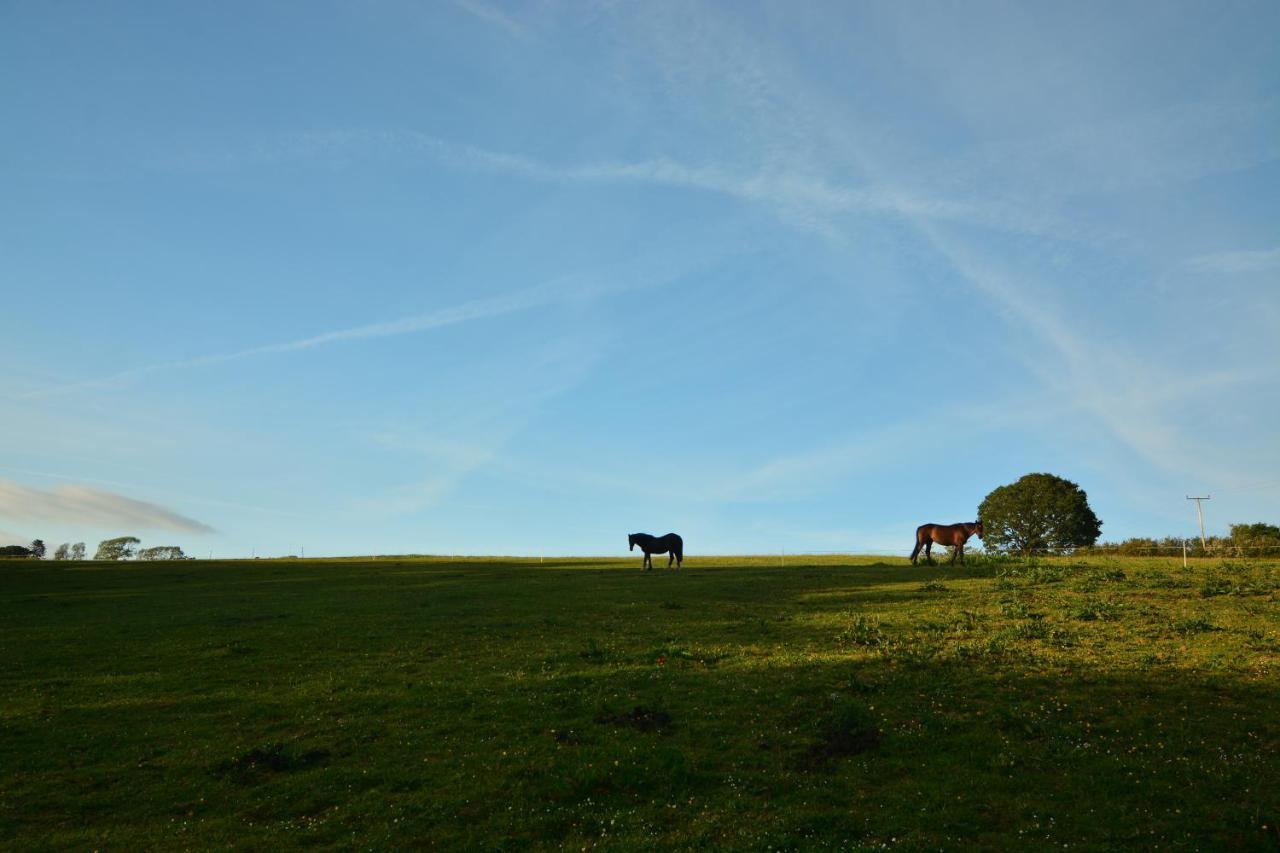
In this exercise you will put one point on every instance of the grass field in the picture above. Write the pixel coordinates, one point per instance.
(841, 702)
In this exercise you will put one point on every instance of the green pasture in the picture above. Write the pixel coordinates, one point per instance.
(836, 702)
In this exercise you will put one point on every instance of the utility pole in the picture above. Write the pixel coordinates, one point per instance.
(1200, 513)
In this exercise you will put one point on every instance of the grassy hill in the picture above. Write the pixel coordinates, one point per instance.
(835, 702)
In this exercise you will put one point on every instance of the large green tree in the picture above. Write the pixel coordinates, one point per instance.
(1040, 513)
(120, 548)
(162, 552)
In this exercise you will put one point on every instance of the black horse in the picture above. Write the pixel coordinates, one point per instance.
(671, 543)
(954, 535)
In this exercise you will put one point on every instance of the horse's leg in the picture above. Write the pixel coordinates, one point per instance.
(648, 560)
(928, 550)
(916, 550)
(960, 552)
(955, 552)
(671, 558)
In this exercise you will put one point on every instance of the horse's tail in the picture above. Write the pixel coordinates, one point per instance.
(920, 537)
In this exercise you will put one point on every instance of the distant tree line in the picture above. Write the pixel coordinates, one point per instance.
(1245, 540)
(119, 548)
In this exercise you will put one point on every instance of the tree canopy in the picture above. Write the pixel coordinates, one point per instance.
(120, 548)
(1040, 513)
(162, 552)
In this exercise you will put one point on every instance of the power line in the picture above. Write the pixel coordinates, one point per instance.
(1252, 486)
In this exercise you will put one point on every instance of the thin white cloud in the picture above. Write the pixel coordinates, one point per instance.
(91, 507)
(1263, 260)
(143, 486)
(554, 292)
(1109, 383)
(804, 199)
(450, 452)
(492, 16)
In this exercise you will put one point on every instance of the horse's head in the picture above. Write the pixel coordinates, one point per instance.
(977, 528)
(631, 542)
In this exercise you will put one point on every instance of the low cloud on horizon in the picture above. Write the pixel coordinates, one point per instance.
(91, 507)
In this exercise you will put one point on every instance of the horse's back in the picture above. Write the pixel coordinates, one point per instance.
(672, 542)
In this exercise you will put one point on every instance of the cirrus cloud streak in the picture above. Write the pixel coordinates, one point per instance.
(74, 504)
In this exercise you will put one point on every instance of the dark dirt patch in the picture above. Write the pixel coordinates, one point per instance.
(640, 718)
(568, 737)
(262, 761)
(849, 731)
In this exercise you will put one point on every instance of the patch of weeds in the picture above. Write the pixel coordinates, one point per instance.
(995, 645)
(666, 654)
(1246, 584)
(848, 729)
(1096, 610)
(1034, 629)
(1214, 585)
(255, 765)
(1161, 580)
(595, 653)
(933, 586)
(861, 631)
(1061, 638)
(640, 718)
(1264, 642)
(1019, 610)
(1195, 625)
(1033, 572)
(671, 605)
(1045, 573)
(912, 651)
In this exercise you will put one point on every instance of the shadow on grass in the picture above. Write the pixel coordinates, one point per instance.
(932, 754)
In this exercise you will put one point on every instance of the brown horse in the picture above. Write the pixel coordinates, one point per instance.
(944, 534)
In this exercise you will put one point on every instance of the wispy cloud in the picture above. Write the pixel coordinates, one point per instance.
(447, 453)
(1263, 260)
(1109, 383)
(492, 16)
(573, 289)
(10, 538)
(809, 472)
(149, 487)
(91, 507)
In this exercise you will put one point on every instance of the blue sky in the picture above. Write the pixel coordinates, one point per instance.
(480, 277)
